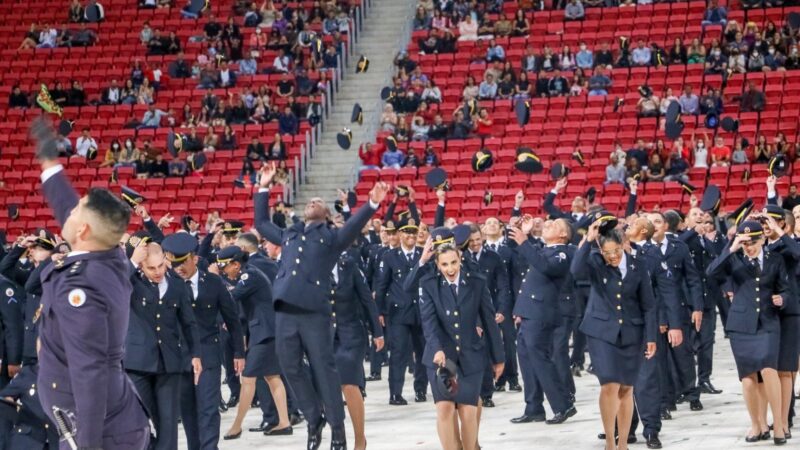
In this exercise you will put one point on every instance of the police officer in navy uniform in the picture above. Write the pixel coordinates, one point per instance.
(539, 315)
(675, 254)
(12, 298)
(84, 315)
(310, 251)
(31, 429)
(390, 239)
(398, 307)
(354, 311)
(34, 249)
(161, 313)
(760, 287)
(209, 299)
(252, 290)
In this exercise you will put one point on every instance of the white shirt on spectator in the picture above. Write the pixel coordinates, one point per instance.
(281, 64)
(82, 145)
(48, 37)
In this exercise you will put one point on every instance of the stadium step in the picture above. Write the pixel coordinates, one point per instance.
(385, 33)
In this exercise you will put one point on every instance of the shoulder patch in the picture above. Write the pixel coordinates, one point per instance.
(245, 277)
(76, 297)
(9, 292)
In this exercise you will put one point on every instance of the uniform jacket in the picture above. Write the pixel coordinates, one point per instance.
(703, 251)
(752, 308)
(14, 269)
(680, 266)
(157, 325)
(267, 266)
(83, 324)
(394, 301)
(618, 310)
(309, 253)
(540, 290)
(33, 295)
(12, 300)
(671, 309)
(450, 323)
(491, 266)
(789, 248)
(351, 299)
(253, 292)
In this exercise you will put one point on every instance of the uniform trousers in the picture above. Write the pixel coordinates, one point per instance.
(511, 370)
(703, 343)
(683, 369)
(649, 387)
(160, 394)
(376, 359)
(305, 333)
(200, 409)
(578, 357)
(405, 340)
(231, 379)
(133, 440)
(539, 374)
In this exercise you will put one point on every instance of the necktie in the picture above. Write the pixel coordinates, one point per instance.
(454, 289)
(191, 287)
(410, 257)
(493, 247)
(475, 256)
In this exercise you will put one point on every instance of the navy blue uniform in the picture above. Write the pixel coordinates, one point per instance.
(789, 248)
(32, 430)
(753, 323)
(376, 359)
(153, 353)
(621, 314)
(354, 311)
(303, 309)
(398, 305)
(12, 299)
(515, 269)
(15, 270)
(538, 306)
(449, 320)
(83, 324)
(200, 404)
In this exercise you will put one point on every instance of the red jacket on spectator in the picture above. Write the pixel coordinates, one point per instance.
(371, 158)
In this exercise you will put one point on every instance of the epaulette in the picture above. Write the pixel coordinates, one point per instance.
(71, 268)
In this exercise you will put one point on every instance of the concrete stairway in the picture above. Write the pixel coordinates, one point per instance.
(385, 32)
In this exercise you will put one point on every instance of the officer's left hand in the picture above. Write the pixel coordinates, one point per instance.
(675, 337)
(165, 221)
(517, 235)
(197, 368)
(499, 318)
(379, 192)
(651, 350)
(697, 319)
(773, 225)
(480, 331)
(13, 370)
(378, 344)
(777, 300)
(238, 365)
(498, 370)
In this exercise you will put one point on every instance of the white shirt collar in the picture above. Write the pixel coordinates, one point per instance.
(623, 265)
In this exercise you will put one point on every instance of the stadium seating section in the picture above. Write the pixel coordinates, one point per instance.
(560, 125)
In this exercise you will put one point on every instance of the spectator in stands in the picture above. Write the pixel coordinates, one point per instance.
(696, 52)
(604, 57)
(47, 36)
(112, 95)
(438, 129)
(152, 117)
(129, 155)
(714, 15)
(84, 142)
(212, 30)
(112, 154)
(422, 21)
(690, 104)
(648, 106)
(711, 103)
(75, 11)
(248, 66)
(146, 33)
(504, 27)
(146, 93)
(668, 98)
(228, 139)
(128, 94)
(488, 88)
(419, 129)
(639, 153)
(468, 29)
(641, 55)
(580, 85)
(157, 44)
(678, 54)
(288, 122)
(793, 59)
(180, 68)
(18, 99)
(370, 159)
(762, 152)
(389, 119)
(429, 158)
(506, 88)
(177, 167)
(737, 62)
(615, 172)
(276, 150)
(599, 83)
(523, 89)
(158, 168)
(392, 159)
(460, 127)
(84, 37)
(483, 124)
(30, 40)
(173, 44)
(141, 168)
(431, 93)
(677, 167)
(566, 60)
(633, 170)
(557, 86)
(412, 160)
(655, 168)
(521, 25)
(756, 61)
(574, 10)
(700, 151)
(226, 77)
(94, 12)
(76, 95)
(210, 140)
(752, 100)
(720, 153)
(495, 52)
(584, 59)
(790, 201)
(774, 60)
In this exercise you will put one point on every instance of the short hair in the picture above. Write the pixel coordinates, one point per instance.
(673, 220)
(789, 220)
(650, 230)
(114, 215)
(611, 236)
(567, 227)
(444, 248)
(248, 241)
(473, 228)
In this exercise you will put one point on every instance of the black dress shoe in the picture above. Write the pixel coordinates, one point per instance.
(765, 436)
(666, 415)
(397, 400)
(590, 369)
(499, 387)
(230, 437)
(562, 417)
(653, 441)
(233, 401)
(296, 419)
(695, 405)
(779, 441)
(513, 386)
(374, 377)
(420, 397)
(528, 419)
(262, 428)
(288, 431)
(572, 398)
(787, 434)
(707, 388)
(576, 370)
(681, 399)
(338, 439)
(315, 435)
(752, 439)
(631, 438)
(487, 403)
(672, 408)
(256, 403)
(223, 406)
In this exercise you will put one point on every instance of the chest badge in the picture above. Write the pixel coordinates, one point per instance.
(76, 297)
(9, 292)
(245, 277)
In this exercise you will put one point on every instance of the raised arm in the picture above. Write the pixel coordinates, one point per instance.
(351, 229)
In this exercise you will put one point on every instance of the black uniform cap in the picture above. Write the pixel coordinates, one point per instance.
(358, 115)
(740, 213)
(711, 199)
(344, 139)
(179, 247)
(45, 239)
(482, 160)
(131, 197)
(528, 161)
(437, 179)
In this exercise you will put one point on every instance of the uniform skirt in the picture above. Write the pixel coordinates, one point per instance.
(469, 388)
(754, 352)
(615, 363)
(350, 348)
(789, 350)
(261, 360)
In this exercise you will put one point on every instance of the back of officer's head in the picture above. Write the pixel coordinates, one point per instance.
(247, 242)
(673, 221)
(98, 222)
